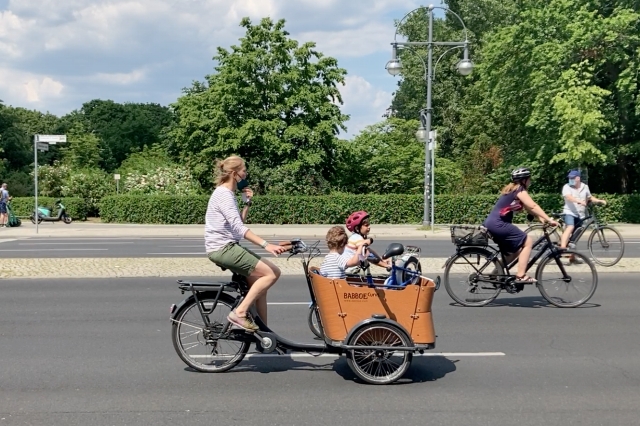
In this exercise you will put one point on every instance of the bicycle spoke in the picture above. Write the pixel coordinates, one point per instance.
(567, 284)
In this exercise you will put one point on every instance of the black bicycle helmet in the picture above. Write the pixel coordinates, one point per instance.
(519, 174)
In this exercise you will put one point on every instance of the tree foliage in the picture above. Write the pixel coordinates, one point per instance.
(271, 100)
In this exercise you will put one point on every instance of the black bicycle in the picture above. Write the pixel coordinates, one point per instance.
(477, 272)
(606, 245)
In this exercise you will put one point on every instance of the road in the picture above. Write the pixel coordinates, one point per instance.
(98, 352)
(194, 247)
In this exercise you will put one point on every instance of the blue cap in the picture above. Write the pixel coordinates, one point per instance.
(573, 173)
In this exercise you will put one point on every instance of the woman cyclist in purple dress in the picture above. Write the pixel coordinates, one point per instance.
(511, 240)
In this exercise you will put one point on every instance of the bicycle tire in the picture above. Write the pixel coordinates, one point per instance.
(374, 366)
(179, 346)
(314, 313)
(590, 245)
(411, 261)
(461, 254)
(557, 257)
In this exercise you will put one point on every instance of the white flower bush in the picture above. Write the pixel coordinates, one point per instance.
(170, 180)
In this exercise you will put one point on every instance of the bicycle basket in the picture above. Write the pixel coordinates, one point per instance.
(469, 236)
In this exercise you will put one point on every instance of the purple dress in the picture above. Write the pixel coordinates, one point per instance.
(499, 223)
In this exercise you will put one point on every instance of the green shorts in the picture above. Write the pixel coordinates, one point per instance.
(237, 259)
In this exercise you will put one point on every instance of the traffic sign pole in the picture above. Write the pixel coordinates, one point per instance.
(35, 160)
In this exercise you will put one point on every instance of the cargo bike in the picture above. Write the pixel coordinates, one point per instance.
(377, 327)
(404, 269)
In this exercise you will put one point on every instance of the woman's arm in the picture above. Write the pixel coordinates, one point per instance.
(532, 207)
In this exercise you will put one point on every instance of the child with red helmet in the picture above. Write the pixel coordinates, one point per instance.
(358, 223)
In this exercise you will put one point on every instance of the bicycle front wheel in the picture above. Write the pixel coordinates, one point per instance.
(464, 275)
(565, 283)
(606, 246)
(313, 319)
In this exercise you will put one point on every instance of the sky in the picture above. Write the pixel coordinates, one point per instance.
(57, 54)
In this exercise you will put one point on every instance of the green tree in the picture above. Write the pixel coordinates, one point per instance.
(83, 148)
(271, 100)
(385, 158)
(558, 88)
(121, 128)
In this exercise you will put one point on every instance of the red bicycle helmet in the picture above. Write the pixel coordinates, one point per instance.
(355, 219)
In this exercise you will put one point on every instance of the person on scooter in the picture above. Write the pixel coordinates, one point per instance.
(358, 223)
(224, 228)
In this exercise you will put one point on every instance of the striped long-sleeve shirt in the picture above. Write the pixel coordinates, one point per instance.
(223, 223)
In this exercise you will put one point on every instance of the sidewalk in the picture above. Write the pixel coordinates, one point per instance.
(102, 230)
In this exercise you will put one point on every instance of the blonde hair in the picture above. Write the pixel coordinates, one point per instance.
(226, 167)
(513, 186)
(336, 238)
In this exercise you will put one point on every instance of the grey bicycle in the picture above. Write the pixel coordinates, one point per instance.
(606, 245)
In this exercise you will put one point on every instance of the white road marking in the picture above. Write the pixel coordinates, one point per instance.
(71, 244)
(288, 303)
(200, 253)
(78, 249)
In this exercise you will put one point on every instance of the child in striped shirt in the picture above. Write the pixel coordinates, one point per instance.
(336, 262)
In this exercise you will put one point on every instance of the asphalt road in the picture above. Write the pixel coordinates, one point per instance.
(98, 352)
(194, 247)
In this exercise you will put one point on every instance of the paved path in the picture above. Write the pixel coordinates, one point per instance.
(98, 352)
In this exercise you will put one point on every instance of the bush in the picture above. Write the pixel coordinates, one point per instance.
(397, 209)
(76, 207)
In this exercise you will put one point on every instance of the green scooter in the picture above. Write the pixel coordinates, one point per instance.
(45, 214)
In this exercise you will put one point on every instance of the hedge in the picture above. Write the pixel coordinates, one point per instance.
(77, 208)
(400, 209)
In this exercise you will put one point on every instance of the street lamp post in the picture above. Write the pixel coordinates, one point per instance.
(394, 67)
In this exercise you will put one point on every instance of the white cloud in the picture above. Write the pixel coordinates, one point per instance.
(365, 103)
(360, 41)
(121, 78)
(32, 88)
(147, 50)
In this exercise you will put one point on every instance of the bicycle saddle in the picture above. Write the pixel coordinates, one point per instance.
(394, 249)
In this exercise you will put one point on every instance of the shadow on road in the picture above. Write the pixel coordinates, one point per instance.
(523, 302)
(423, 369)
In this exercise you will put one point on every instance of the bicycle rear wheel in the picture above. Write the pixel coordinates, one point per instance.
(564, 284)
(606, 246)
(463, 279)
(200, 347)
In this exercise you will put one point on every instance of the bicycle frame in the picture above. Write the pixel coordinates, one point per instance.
(547, 245)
